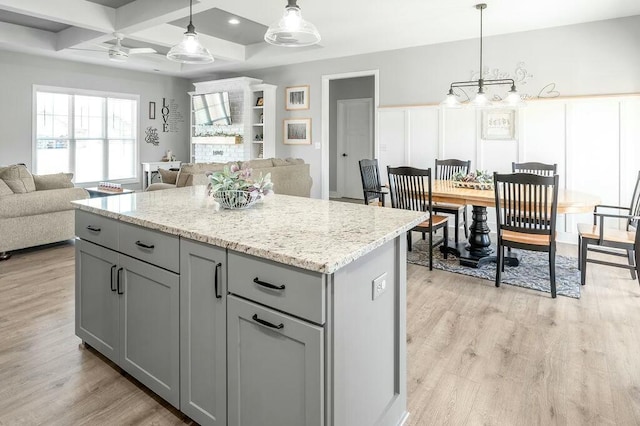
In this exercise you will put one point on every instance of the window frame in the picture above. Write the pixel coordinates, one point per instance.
(72, 140)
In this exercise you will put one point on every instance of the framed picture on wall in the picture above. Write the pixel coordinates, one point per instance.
(296, 98)
(498, 124)
(297, 131)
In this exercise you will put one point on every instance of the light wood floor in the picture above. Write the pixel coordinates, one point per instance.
(477, 355)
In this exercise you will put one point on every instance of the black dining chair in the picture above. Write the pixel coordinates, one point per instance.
(445, 170)
(607, 239)
(526, 210)
(535, 168)
(371, 185)
(410, 189)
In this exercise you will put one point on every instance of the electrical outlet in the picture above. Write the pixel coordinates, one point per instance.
(378, 286)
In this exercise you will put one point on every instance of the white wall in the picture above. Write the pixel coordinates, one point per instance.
(20, 72)
(594, 58)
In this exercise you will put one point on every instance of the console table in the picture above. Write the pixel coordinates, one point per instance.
(148, 169)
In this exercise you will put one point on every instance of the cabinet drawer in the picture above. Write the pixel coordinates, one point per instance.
(150, 246)
(298, 292)
(97, 229)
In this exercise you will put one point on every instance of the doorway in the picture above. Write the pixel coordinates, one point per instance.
(354, 142)
(342, 87)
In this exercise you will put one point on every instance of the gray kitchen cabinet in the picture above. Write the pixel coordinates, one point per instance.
(128, 310)
(97, 302)
(276, 367)
(203, 327)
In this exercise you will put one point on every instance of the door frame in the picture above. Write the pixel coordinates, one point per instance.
(324, 161)
(340, 176)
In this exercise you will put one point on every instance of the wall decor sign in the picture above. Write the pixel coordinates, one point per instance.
(151, 136)
(171, 117)
(296, 98)
(297, 131)
(498, 124)
(152, 110)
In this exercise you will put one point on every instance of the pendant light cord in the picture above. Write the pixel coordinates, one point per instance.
(481, 9)
(191, 17)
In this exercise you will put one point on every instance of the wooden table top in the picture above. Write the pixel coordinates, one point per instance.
(568, 201)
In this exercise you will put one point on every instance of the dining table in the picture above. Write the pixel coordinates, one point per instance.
(478, 249)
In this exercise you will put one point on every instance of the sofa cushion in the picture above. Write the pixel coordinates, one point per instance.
(187, 170)
(4, 189)
(287, 161)
(40, 202)
(257, 164)
(53, 181)
(168, 176)
(18, 178)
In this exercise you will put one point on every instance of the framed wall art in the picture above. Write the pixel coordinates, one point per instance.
(498, 124)
(296, 98)
(297, 131)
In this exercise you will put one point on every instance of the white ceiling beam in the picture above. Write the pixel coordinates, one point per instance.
(74, 36)
(77, 13)
(169, 35)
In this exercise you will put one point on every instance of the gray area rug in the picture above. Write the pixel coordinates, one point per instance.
(533, 272)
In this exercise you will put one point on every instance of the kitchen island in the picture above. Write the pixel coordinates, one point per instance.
(291, 312)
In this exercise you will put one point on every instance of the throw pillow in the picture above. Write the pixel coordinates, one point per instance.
(4, 189)
(280, 162)
(183, 179)
(53, 181)
(168, 176)
(19, 179)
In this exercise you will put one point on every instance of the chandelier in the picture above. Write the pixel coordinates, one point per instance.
(481, 100)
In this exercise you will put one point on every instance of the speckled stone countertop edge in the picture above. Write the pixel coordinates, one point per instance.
(299, 262)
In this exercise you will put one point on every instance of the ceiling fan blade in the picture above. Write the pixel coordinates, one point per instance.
(138, 50)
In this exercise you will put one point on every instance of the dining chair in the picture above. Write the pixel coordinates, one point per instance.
(541, 169)
(526, 210)
(410, 189)
(445, 170)
(610, 240)
(371, 185)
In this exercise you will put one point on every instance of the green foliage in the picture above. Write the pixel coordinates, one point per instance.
(479, 176)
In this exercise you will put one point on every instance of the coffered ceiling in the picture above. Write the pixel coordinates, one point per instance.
(82, 30)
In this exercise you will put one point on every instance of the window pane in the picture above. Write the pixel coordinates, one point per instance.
(52, 156)
(89, 161)
(52, 117)
(122, 159)
(122, 118)
(89, 117)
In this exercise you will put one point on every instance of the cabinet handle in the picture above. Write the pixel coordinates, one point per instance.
(113, 268)
(143, 245)
(267, 323)
(218, 296)
(265, 284)
(119, 276)
(93, 228)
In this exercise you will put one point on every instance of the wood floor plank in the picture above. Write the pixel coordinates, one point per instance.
(477, 355)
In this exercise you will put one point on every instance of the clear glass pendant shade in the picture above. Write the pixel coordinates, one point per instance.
(513, 99)
(451, 101)
(291, 30)
(481, 100)
(189, 50)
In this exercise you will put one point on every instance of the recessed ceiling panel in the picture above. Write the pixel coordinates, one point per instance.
(112, 3)
(31, 22)
(215, 22)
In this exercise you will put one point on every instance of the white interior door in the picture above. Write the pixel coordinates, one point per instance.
(355, 142)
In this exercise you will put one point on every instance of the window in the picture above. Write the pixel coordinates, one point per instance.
(93, 135)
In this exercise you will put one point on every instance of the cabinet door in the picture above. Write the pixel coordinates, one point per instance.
(149, 326)
(96, 298)
(203, 322)
(275, 367)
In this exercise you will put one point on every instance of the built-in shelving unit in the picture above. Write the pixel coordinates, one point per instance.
(263, 135)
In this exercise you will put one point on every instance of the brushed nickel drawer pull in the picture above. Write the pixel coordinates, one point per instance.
(93, 228)
(218, 296)
(266, 284)
(143, 245)
(267, 323)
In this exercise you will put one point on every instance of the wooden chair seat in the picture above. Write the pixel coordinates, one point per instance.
(434, 221)
(520, 237)
(587, 230)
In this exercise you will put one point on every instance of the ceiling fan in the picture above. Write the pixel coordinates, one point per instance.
(118, 53)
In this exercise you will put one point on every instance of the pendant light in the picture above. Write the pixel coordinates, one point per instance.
(292, 30)
(189, 50)
(481, 100)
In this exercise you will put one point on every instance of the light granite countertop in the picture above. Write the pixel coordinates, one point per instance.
(312, 234)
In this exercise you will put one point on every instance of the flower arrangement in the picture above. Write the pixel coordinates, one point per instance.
(234, 187)
(479, 179)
